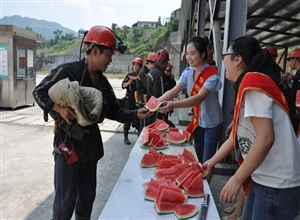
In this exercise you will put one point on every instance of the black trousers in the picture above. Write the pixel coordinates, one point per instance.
(75, 188)
(130, 104)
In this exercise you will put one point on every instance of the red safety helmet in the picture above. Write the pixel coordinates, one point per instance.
(151, 57)
(209, 55)
(162, 55)
(295, 54)
(272, 50)
(137, 60)
(101, 35)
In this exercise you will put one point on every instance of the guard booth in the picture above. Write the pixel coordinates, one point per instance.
(17, 66)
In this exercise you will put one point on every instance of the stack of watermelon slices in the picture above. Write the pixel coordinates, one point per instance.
(158, 134)
(177, 177)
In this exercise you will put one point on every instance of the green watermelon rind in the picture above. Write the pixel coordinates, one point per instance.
(186, 216)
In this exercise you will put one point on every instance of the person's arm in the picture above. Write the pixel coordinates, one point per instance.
(126, 82)
(221, 153)
(185, 103)
(259, 150)
(169, 95)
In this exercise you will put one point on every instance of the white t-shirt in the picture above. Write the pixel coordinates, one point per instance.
(281, 167)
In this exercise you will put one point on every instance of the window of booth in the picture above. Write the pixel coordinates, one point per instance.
(21, 63)
(3, 61)
(30, 70)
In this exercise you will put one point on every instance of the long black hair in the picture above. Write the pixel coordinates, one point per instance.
(260, 60)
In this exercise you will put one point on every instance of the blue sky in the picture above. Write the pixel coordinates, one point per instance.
(87, 13)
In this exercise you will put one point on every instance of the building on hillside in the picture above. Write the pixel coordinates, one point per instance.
(146, 24)
(81, 33)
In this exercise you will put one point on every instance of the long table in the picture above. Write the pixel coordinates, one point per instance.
(126, 200)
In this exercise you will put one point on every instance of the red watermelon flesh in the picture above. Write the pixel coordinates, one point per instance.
(154, 152)
(167, 163)
(298, 98)
(185, 211)
(196, 166)
(145, 139)
(149, 160)
(188, 176)
(173, 129)
(170, 187)
(159, 143)
(161, 125)
(188, 181)
(189, 155)
(181, 167)
(187, 135)
(133, 77)
(195, 189)
(183, 175)
(152, 188)
(153, 104)
(165, 173)
(167, 199)
(175, 137)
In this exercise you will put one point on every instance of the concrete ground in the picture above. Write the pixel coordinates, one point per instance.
(26, 174)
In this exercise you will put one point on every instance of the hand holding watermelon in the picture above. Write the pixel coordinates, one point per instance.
(166, 106)
(143, 113)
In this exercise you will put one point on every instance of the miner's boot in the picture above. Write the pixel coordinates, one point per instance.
(126, 140)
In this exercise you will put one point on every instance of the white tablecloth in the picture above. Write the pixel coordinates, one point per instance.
(127, 198)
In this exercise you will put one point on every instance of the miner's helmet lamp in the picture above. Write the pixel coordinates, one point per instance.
(101, 35)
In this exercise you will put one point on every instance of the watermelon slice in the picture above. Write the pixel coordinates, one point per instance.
(173, 129)
(152, 188)
(153, 104)
(181, 167)
(175, 137)
(169, 187)
(161, 125)
(154, 152)
(133, 77)
(185, 211)
(149, 160)
(187, 182)
(167, 173)
(188, 155)
(195, 189)
(187, 135)
(183, 175)
(298, 99)
(168, 199)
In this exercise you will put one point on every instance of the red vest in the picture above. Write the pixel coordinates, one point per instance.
(263, 83)
(202, 77)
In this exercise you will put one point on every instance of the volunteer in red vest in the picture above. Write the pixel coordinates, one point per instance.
(131, 98)
(202, 83)
(262, 136)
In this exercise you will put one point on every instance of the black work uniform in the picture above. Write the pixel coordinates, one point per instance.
(75, 183)
(157, 84)
(130, 100)
(141, 86)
